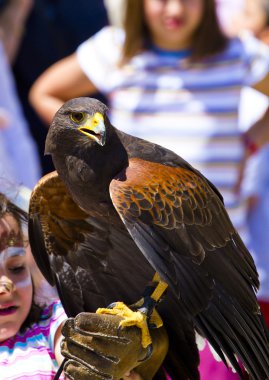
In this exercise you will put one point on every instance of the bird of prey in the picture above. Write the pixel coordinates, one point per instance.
(118, 209)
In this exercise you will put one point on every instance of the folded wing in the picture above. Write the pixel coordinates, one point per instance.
(182, 228)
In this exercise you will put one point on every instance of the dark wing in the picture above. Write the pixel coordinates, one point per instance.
(83, 254)
(180, 224)
(94, 261)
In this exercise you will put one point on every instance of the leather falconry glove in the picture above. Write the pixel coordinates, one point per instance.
(95, 348)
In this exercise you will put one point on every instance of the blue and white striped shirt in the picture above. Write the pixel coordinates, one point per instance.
(190, 108)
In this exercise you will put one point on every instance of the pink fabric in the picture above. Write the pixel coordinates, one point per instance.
(264, 305)
(210, 368)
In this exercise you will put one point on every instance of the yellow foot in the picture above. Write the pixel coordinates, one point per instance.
(154, 318)
(131, 318)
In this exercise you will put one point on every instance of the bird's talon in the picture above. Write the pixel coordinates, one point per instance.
(119, 329)
(112, 305)
(148, 354)
(143, 310)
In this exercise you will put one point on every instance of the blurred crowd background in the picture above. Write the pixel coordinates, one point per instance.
(34, 34)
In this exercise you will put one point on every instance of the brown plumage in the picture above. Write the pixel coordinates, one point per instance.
(120, 208)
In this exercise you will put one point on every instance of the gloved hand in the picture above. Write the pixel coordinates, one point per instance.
(97, 349)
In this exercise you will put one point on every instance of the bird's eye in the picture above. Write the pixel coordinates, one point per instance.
(77, 117)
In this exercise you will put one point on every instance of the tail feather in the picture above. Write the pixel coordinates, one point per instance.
(238, 334)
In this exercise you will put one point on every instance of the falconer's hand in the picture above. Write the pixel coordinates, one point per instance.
(96, 348)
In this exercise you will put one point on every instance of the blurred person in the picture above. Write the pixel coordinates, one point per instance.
(255, 20)
(252, 17)
(39, 33)
(171, 77)
(19, 161)
(13, 16)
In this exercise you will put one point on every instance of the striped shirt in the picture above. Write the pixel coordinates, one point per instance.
(30, 355)
(189, 108)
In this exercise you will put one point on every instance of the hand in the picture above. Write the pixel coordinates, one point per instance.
(97, 349)
(240, 174)
(132, 375)
(4, 119)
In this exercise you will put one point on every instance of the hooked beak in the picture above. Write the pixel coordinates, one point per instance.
(94, 128)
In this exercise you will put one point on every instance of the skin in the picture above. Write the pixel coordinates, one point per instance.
(173, 22)
(253, 17)
(4, 119)
(132, 376)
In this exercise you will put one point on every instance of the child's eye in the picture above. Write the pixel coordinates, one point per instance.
(17, 270)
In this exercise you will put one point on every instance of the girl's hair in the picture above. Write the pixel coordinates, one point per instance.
(33, 316)
(6, 206)
(207, 40)
(21, 217)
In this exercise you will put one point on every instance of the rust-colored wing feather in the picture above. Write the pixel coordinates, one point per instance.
(55, 226)
(51, 201)
(182, 227)
(182, 207)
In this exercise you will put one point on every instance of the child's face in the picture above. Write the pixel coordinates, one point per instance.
(16, 290)
(172, 23)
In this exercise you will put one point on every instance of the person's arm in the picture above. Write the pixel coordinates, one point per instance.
(258, 134)
(254, 138)
(62, 81)
(12, 21)
(57, 345)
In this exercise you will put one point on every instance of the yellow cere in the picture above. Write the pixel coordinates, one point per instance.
(97, 118)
